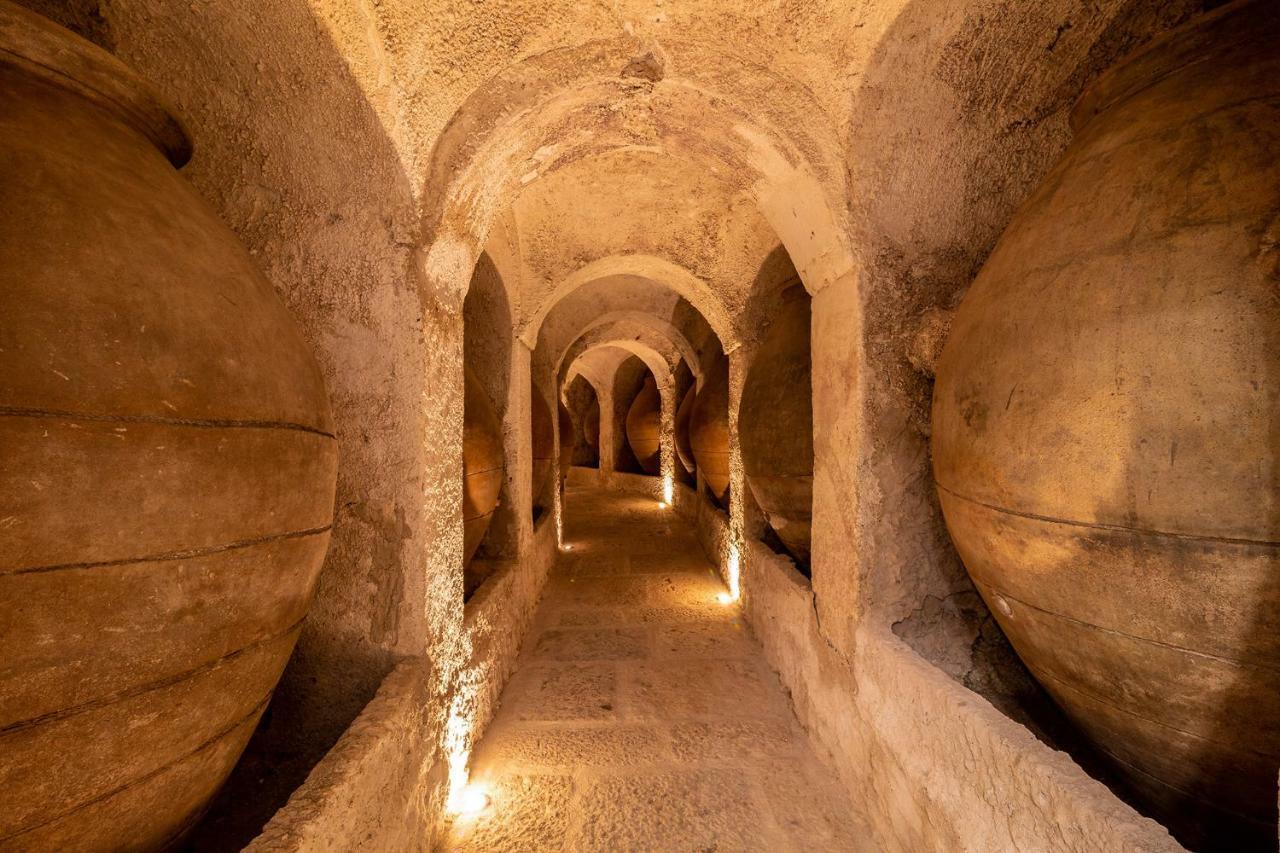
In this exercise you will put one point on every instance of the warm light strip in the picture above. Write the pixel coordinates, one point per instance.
(457, 746)
(734, 570)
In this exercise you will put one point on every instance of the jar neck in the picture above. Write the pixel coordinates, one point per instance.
(38, 47)
(1233, 30)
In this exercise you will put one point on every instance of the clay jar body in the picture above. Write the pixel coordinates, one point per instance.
(167, 463)
(1105, 421)
(482, 464)
(543, 443)
(644, 422)
(709, 429)
(775, 425)
(683, 449)
(566, 441)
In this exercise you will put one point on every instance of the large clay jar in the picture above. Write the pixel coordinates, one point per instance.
(683, 449)
(566, 442)
(1106, 431)
(775, 424)
(644, 425)
(167, 463)
(482, 464)
(543, 442)
(709, 429)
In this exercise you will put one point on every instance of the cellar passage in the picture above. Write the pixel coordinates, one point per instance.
(534, 425)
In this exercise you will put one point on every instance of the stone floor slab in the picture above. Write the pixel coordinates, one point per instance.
(642, 716)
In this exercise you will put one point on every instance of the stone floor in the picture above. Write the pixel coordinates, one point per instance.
(642, 715)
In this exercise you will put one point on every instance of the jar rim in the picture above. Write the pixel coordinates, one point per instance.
(1203, 38)
(42, 48)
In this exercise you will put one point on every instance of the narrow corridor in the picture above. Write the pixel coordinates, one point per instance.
(642, 714)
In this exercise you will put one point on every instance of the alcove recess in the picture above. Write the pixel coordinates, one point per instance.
(628, 381)
(584, 408)
(490, 526)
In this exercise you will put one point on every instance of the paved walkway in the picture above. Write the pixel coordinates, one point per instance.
(642, 715)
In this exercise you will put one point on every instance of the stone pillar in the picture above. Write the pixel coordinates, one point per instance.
(667, 436)
(838, 451)
(517, 438)
(738, 364)
(608, 430)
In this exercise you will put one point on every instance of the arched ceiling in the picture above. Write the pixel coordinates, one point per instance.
(827, 114)
(559, 110)
(633, 202)
(643, 303)
(599, 365)
(638, 325)
(884, 144)
(625, 282)
(654, 349)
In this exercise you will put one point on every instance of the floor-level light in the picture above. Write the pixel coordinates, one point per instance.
(733, 566)
(469, 799)
(465, 797)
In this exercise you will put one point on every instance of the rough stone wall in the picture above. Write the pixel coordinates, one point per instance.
(498, 618)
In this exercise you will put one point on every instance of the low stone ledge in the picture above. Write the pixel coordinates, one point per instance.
(931, 764)
(372, 790)
(497, 620)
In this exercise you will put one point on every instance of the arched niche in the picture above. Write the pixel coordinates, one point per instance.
(628, 379)
(583, 403)
(487, 342)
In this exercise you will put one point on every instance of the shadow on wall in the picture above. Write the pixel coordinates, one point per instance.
(82, 17)
(291, 156)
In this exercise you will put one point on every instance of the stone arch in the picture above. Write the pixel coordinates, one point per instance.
(651, 356)
(598, 358)
(648, 341)
(660, 271)
(565, 105)
(617, 322)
